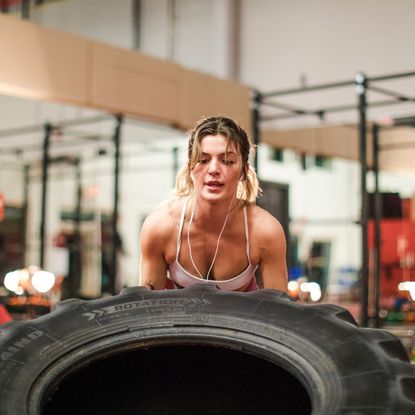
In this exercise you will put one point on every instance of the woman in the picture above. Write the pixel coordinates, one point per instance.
(213, 232)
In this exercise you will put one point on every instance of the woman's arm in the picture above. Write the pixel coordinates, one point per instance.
(273, 263)
(153, 267)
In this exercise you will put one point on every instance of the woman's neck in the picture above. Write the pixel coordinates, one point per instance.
(211, 215)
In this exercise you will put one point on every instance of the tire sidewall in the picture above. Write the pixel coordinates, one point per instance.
(36, 355)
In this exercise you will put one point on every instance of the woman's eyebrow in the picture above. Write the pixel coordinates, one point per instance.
(229, 153)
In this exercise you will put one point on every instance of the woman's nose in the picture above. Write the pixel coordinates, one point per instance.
(213, 166)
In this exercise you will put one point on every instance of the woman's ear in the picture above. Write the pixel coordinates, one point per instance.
(245, 171)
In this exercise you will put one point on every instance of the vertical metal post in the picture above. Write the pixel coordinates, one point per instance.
(377, 227)
(78, 209)
(175, 164)
(256, 118)
(45, 166)
(136, 15)
(115, 235)
(76, 274)
(25, 9)
(361, 90)
(26, 172)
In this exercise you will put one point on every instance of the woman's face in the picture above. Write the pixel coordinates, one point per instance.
(217, 173)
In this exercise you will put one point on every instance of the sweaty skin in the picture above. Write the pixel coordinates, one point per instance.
(216, 177)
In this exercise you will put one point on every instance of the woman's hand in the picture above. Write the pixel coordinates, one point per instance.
(272, 262)
(153, 267)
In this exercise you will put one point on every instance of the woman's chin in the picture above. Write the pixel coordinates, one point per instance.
(215, 196)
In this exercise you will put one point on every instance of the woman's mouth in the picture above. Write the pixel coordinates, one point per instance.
(213, 185)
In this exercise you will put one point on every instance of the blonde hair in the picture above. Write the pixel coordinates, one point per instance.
(248, 188)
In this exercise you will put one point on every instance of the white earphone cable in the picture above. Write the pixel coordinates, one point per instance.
(217, 243)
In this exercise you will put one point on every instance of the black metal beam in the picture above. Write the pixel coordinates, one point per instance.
(115, 235)
(331, 85)
(9, 132)
(277, 117)
(78, 210)
(175, 153)
(83, 121)
(384, 91)
(25, 9)
(33, 148)
(136, 23)
(404, 122)
(391, 76)
(76, 274)
(377, 227)
(92, 174)
(286, 107)
(26, 183)
(322, 111)
(361, 90)
(48, 128)
(256, 118)
(312, 88)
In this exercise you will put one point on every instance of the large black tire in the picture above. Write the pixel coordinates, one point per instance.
(201, 351)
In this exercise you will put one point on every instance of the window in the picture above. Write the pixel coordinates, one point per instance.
(319, 262)
(277, 154)
(322, 161)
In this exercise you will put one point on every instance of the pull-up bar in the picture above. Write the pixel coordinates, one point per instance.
(11, 132)
(322, 111)
(332, 85)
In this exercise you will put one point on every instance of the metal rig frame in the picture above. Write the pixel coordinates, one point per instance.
(362, 84)
(49, 130)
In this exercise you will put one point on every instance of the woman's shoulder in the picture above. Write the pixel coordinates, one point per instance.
(258, 213)
(164, 216)
(262, 222)
(159, 230)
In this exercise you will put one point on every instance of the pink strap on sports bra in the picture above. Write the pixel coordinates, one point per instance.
(178, 275)
(179, 235)
(247, 235)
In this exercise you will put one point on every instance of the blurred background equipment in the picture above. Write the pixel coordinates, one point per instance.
(31, 292)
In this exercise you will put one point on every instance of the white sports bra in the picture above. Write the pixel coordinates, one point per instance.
(182, 278)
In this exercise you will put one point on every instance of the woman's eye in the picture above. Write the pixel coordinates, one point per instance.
(227, 161)
(204, 161)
